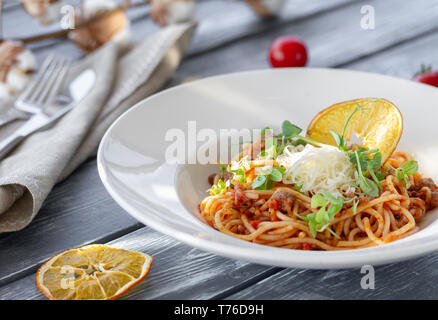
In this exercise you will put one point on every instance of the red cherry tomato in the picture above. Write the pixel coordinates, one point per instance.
(287, 51)
(429, 77)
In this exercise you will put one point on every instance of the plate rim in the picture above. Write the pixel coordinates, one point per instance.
(302, 258)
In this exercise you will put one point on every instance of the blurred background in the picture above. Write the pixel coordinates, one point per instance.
(235, 35)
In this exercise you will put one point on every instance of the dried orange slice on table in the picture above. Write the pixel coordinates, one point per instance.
(378, 124)
(92, 272)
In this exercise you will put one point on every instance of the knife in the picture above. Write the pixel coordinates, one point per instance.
(75, 92)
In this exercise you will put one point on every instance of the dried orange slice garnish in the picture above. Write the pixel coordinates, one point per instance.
(92, 272)
(378, 124)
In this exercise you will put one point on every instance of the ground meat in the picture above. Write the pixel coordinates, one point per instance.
(240, 198)
(416, 192)
(434, 199)
(364, 198)
(285, 200)
(350, 194)
(426, 182)
(227, 175)
(214, 178)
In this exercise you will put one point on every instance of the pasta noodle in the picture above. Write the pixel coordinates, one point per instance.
(272, 217)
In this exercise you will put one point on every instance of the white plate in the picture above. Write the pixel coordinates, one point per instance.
(165, 196)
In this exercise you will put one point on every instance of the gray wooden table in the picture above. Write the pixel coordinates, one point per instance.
(231, 38)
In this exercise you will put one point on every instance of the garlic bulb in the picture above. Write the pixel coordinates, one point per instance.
(46, 11)
(181, 11)
(17, 64)
(165, 12)
(112, 27)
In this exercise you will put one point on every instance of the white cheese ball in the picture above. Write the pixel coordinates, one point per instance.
(92, 8)
(53, 12)
(181, 11)
(17, 80)
(25, 60)
(46, 12)
(19, 74)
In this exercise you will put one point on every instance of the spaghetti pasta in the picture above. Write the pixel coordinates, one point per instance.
(274, 217)
(290, 191)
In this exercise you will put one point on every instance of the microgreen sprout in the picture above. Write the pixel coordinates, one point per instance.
(368, 186)
(340, 139)
(239, 174)
(290, 131)
(267, 176)
(408, 168)
(218, 188)
(366, 162)
(329, 206)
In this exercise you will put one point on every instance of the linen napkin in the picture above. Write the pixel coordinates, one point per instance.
(124, 76)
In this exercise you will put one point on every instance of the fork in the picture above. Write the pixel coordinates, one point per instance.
(41, 90)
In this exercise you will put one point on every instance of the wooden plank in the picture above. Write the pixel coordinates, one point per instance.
(404, 60)
(414, 279)
(17, 23)
(214, 63)
(407, 280)
(60, 224)
(222, 22)
(333, 39)
(178, 271)
(290, 283)
(77, 211)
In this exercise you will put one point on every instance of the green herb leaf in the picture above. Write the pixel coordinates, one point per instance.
(401, 175)
(270, 153)
(218, 188)
(290, 130)
(267, 176)
(338, 139)
(354, 208)
(259, 182)
(362, 162)
(359, 159)
(318, 200)
(269, 184)
(381, 174)
(330, 198)
(277, 174)
(312, 228)
(320, 216)
(368, 186)
(320, 220)
(376, 161)
(263, 171)
(410, 167)
(264, 130)
(358, 107)
(239, 174)
(333, 209)
(222, 168)
(373, 175)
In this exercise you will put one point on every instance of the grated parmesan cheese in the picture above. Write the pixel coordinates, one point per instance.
(315, 169)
